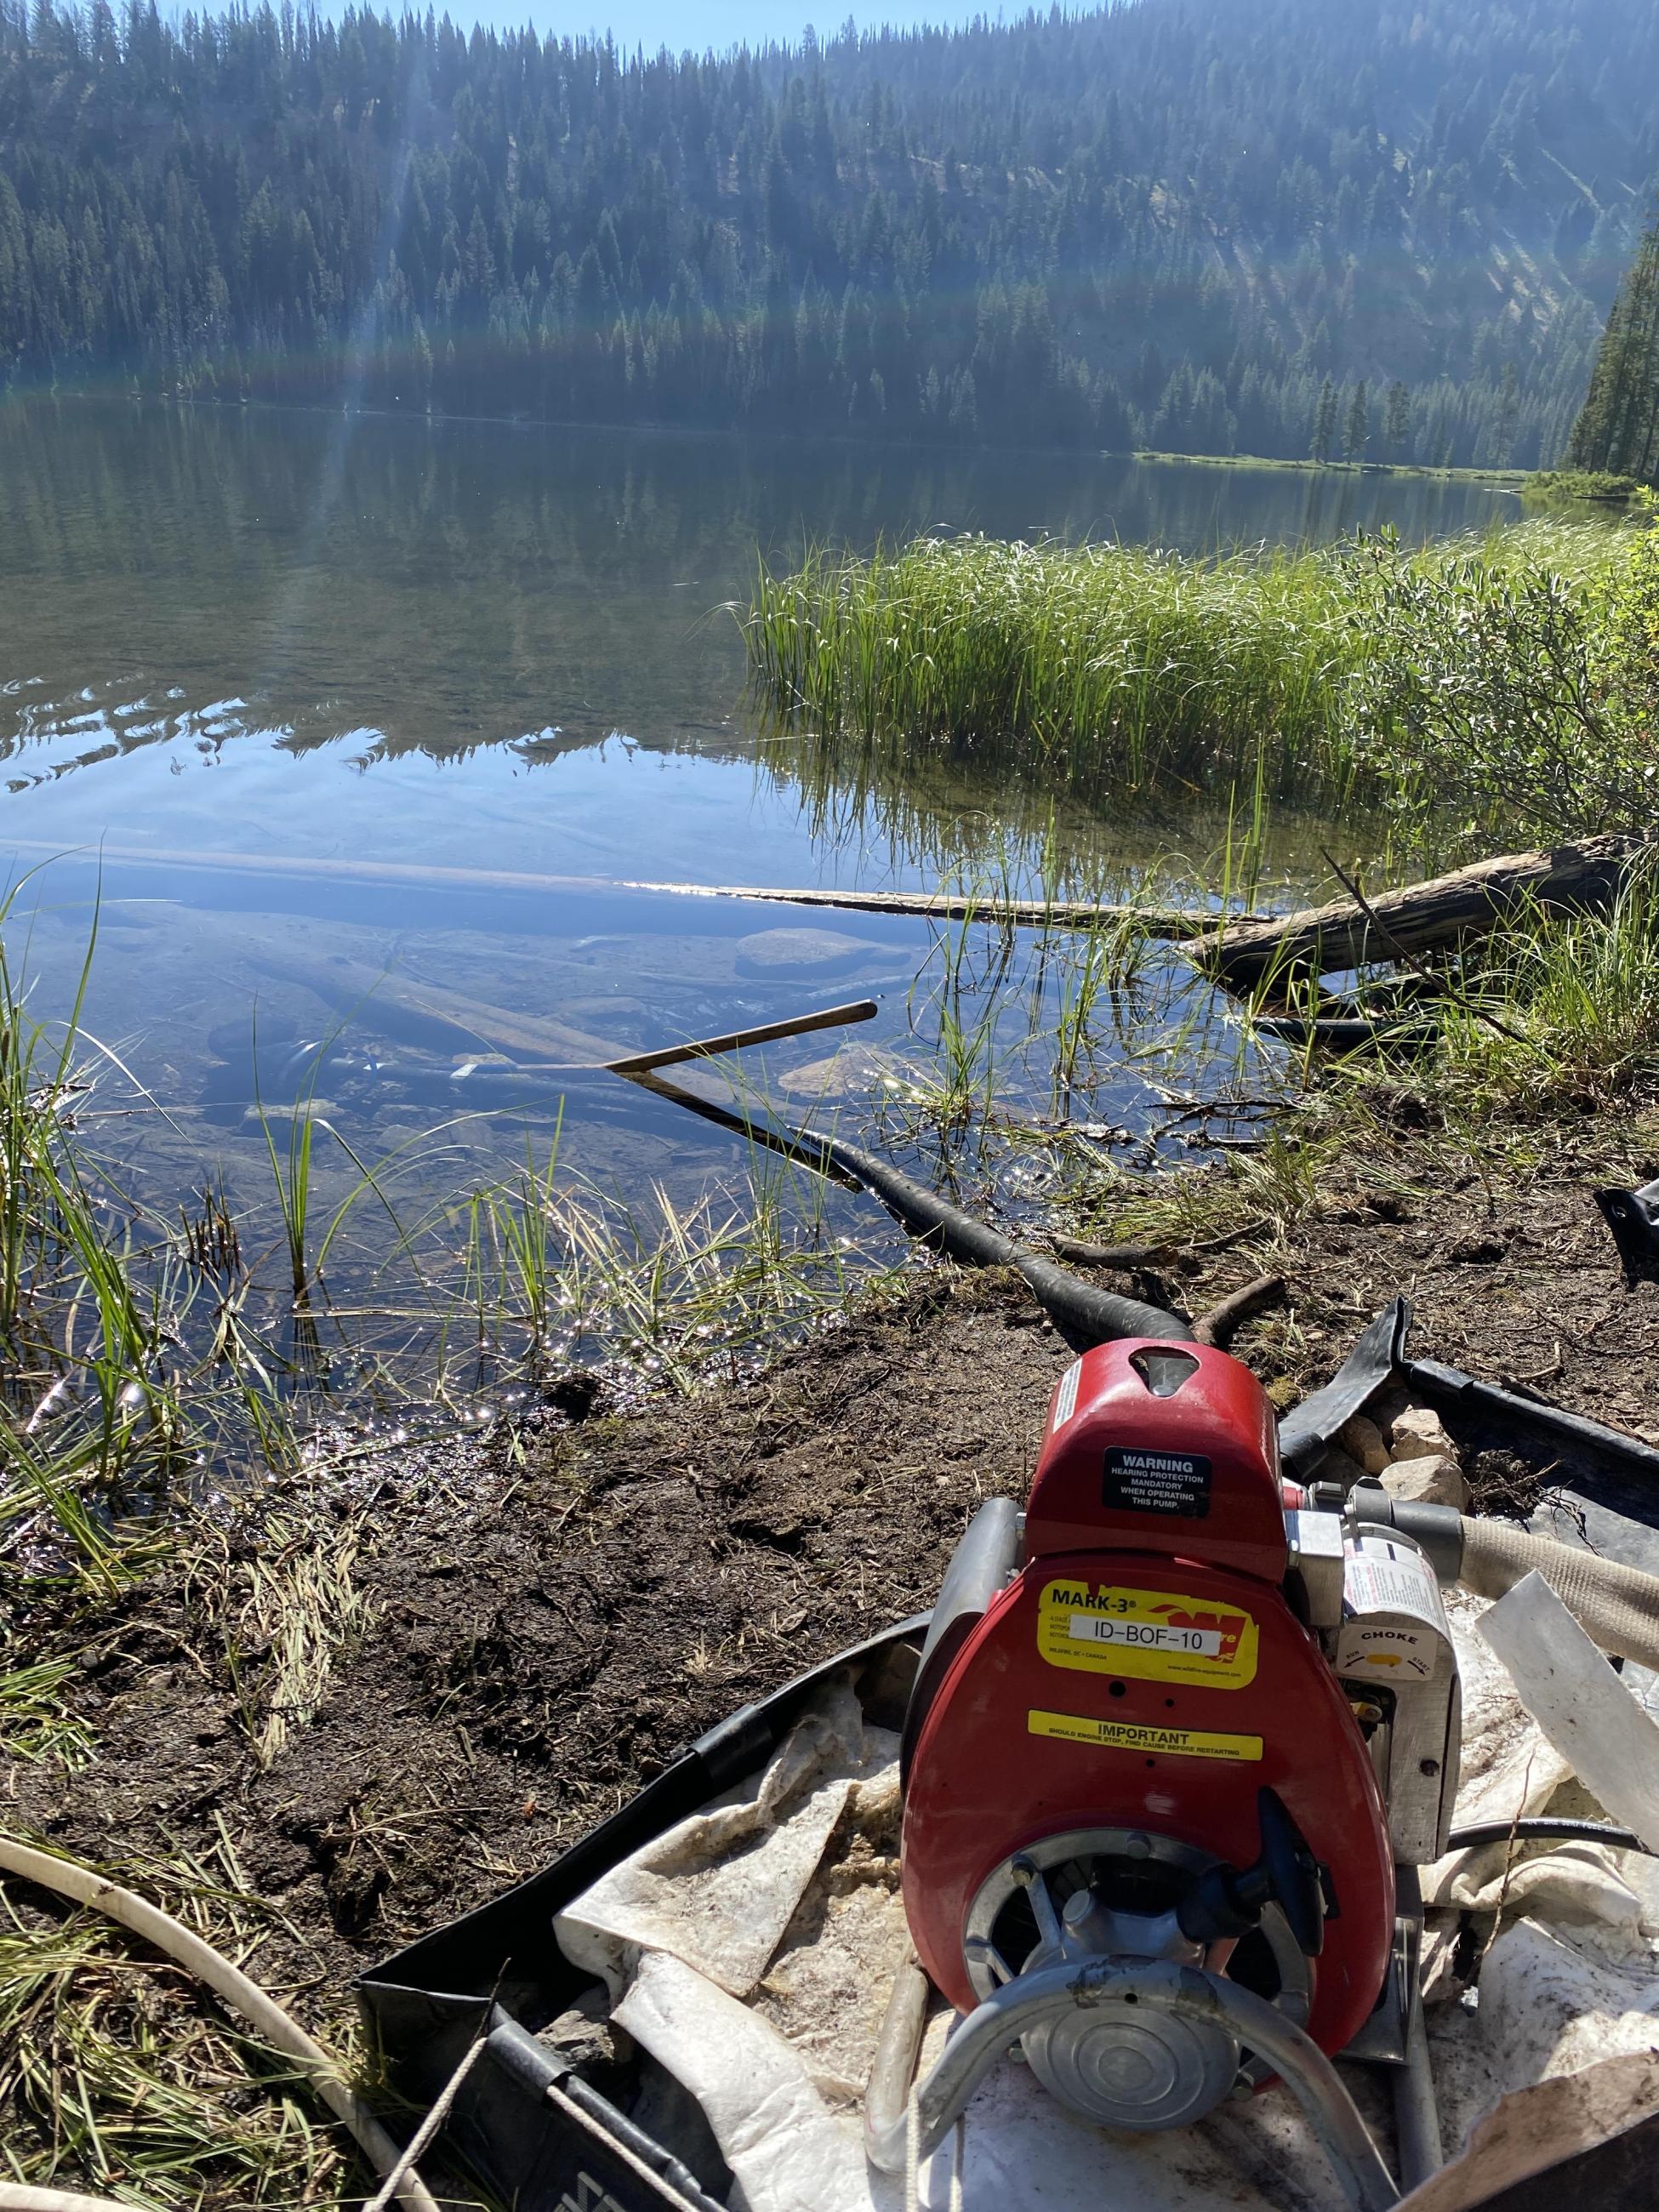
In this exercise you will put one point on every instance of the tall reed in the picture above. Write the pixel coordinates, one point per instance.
(1103, 669)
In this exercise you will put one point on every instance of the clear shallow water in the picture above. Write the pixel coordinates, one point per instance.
(497, 647)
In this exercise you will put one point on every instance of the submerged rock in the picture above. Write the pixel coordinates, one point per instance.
(803, 952)
(857, 1071)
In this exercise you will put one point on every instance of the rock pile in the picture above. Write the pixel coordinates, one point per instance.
(1406, 1448)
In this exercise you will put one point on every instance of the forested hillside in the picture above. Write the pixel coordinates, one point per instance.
(1379, 227)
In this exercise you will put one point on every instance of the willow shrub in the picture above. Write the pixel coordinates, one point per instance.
(1493, 690)
(1469, 685)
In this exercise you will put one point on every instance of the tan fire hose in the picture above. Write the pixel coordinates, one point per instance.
(188, 1949)
(30, 2196)
(1617, 1607)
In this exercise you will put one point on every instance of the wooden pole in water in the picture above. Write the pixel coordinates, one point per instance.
(933, 906)
(828, 1017)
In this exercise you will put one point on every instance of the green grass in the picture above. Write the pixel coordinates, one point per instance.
(1103, 671)
(1308, 466)
(1081, 661)
(1557, 1012)
(1591, 487)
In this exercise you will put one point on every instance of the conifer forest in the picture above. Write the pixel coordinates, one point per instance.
(1617, 434)
(1302, 229)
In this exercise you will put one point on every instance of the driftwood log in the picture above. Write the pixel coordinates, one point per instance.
(953, 906)
(933, 906)
(447, 1020)
(429, 1015)
(1583, 876)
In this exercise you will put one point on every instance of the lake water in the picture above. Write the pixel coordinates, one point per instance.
(236, 643)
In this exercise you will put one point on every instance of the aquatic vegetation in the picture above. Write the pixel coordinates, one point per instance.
(1556, 1010)
(1109, 671)
(1075, 663)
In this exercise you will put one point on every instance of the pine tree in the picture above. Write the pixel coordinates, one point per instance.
(1324, 422)
(1396, 420)
(1618, 429)
(1357, 431)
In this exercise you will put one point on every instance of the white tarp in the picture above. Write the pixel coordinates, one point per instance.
(718, 1890)
(752, 1950)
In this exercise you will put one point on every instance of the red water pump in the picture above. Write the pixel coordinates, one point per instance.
(1171, 1732)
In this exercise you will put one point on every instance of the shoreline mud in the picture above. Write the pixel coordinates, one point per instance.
(532, 1624)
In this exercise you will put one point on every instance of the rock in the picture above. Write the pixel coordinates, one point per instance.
(1432, 1479)
(1419, 1433)
(803, 952)
(1363, 1440)
(303, 1109)
(1338, 1465)
(585, 2038)
(1387, 1406)
(856, 1071)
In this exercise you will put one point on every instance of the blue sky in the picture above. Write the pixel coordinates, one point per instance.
(700, 23)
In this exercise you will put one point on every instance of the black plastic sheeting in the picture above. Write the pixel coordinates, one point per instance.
(538, 2137)
(543, 2140)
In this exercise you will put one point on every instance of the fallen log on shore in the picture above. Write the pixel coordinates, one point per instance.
(1584, 876)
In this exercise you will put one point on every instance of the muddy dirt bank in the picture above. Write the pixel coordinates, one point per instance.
(591, 1595)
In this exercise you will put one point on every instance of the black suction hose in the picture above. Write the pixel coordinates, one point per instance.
(1546, 1828)
(1084, 1312)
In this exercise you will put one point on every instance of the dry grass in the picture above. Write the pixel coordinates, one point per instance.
(288, 1613)
(119, 2077)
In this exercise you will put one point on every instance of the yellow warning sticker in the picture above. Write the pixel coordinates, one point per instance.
(1125, 1735)
(1158, 1636)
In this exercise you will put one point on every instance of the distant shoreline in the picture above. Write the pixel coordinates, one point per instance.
(1501, 479)
(1505, 479)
